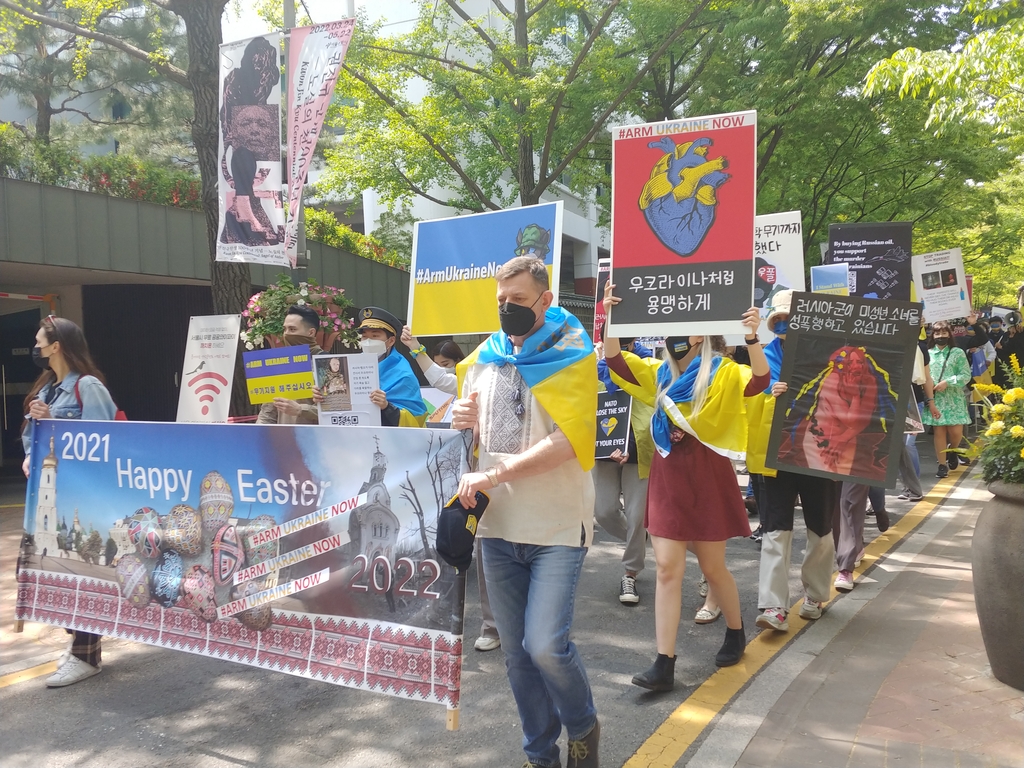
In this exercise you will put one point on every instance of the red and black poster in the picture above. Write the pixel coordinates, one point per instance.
(683, 225)
(879, 257)
(848, 363)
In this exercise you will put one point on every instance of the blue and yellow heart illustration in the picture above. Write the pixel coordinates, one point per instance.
(608, 424)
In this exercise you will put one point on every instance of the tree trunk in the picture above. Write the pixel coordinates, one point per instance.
(230, 282)
(526, 171)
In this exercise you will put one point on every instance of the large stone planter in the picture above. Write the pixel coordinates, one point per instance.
(997, 560)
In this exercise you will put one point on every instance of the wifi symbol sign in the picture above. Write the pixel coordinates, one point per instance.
(207, 387)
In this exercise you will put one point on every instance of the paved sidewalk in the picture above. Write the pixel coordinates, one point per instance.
(903, 682)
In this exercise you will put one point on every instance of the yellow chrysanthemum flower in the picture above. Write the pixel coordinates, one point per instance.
(999, 409)
(1015, 364)
(1017, 431)
(1022, 453)
(1010, 397)
(989, 389)
(995, 428)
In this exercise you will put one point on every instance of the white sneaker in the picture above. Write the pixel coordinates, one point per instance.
(74, 670)
(773, 618)
(487, 643)
(811, 609)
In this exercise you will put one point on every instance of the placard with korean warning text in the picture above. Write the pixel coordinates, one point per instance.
(281, 372)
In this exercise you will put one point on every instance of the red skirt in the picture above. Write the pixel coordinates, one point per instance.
(693, 495)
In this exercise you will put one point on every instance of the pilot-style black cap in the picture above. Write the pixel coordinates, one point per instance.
(456, 530)
(375, 317)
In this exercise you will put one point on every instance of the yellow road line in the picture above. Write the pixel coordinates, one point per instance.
(11, 506)
(681, 729)
(28, 674)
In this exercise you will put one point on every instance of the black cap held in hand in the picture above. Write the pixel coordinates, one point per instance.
(456, 530)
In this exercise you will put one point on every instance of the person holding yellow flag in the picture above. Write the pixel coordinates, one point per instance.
(529, 393)
(693, 502)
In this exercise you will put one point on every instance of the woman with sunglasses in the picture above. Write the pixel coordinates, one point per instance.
(70, 387)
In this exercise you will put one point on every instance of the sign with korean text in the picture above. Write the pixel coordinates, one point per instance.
(613, 410)
(289, 548)
(683, 225)
(454, 262)
(848, 364)
(778, 256)
(942, 285)
(604, 269)
(879, 257)
(209, 368)
(346, 382)
(282, 372)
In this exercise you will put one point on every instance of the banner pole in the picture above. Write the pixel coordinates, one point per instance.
(289, 24)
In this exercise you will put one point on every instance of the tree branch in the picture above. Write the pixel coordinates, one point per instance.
(438, 59)
(418, 190)
(502, 9)
(172, 72)
(537, 9)
(454, 5)
(567, 81)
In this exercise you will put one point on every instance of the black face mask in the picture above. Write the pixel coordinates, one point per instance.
(39, 360)
(515, 319)
(677, 346)
(942, 341)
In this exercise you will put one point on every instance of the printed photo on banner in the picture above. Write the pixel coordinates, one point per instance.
(847, 364)
(879, 257)
(778, 257)
(454, 262)
(209, 368)
(682, 226)
(833, 279)
(943, 285)
(280, 372)
(346, 382)
(315, 55)
(307, 550)
(612, 423)
(249, 182)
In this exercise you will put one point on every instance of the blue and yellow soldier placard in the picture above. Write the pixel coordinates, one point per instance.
(454, 262)
(285, 372)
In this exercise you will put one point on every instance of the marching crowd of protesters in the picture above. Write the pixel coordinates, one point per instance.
(528, 393)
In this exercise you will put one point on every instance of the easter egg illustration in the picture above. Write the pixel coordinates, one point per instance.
(133, 580)
(216, 502)
(254, 555)
(183, 531)
(258, 618)
(165, 582)
(197, 593)
(144, 532)
(228, 555)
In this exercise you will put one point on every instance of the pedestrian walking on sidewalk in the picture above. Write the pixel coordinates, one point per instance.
(950, 372)
(699, 424)
(70, 387)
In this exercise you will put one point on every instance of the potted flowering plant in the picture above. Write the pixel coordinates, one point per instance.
(265, 313)
(997, 551)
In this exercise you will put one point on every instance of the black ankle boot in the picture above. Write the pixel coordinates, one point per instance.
(660, 677)
(732, 649)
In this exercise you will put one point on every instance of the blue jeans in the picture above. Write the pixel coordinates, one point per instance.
(915, 457)
(533, 595)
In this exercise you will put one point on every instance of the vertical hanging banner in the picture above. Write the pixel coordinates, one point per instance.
(778, 256)
(942, 285)
(878, 255)
(683, 225)
(300, 549)
(604, 270)
(454, 261)
(315, 55)
(209, 368)
(848, 363)
(249, 182)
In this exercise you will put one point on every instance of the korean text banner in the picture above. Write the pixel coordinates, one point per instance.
(283, 372)
(683, 225)
(942, 285)
(454, 262)
(778, 257)
(288, 548)
(249, 179)
(209, 368)
(315, 55)
(848, 364)
(878, 255)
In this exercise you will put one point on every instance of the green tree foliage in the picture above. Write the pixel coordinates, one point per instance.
(324, 227)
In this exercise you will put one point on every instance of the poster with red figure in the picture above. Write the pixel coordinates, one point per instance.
(683, 204)
(847, 364)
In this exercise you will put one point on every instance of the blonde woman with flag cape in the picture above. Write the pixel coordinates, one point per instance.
(529, 393)
(693, 501)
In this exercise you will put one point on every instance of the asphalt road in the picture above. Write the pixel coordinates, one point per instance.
(156, 707)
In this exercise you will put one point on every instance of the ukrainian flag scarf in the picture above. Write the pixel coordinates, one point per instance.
(402, 389)
(558, 364)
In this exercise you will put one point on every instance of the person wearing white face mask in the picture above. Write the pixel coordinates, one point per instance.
(439, 368)
(399, 398)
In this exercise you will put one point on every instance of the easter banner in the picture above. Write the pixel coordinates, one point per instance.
(454, 262)
(682, 239)
(778, 257)
(301, 549)
(278, 372)
(847, 362)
